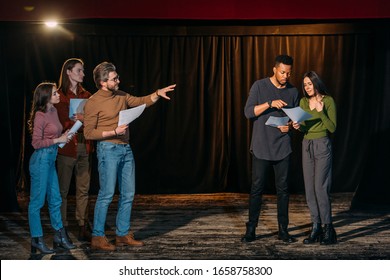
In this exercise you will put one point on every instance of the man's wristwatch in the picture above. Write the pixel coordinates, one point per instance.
(270, 103)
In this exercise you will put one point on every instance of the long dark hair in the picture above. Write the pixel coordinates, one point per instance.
(318, 84)
(64, 82)
(41, 98)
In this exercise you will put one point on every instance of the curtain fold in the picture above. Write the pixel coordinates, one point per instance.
(198, 142)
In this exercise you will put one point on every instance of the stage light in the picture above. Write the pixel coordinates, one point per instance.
(51, 24)
(29, 8)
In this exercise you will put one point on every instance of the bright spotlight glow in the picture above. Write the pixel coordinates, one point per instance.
(51, 24)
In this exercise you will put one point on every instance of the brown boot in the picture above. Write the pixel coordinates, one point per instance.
(128, 240)
(101, 243)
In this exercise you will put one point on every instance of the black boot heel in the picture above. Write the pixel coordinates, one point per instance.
(315, 234)
(37, 243)
(61, 240)
(33, 250)
(330, 236)
(284, 235)
(250, 234)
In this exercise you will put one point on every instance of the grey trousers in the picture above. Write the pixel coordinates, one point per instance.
(317, 174)
(82, 170)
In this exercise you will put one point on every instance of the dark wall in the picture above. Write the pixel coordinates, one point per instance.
(198, 142)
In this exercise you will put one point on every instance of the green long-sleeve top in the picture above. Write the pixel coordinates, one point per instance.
(321, 123)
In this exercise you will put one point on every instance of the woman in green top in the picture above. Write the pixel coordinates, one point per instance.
(317, 157)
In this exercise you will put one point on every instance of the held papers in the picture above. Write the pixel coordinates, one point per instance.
(129, 115)
(76, 105)
(277, 121)
(297, 114)
(72, 132)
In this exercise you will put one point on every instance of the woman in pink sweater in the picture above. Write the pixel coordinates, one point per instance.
(45, 129)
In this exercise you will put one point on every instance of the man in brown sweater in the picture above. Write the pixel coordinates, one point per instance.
(115, 157)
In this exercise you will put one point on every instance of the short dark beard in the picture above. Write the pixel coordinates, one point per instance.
(113, 89)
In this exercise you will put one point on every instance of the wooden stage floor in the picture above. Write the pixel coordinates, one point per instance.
(209, 226)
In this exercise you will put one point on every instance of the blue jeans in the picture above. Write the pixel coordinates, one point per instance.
(115, 161)
(44, 184)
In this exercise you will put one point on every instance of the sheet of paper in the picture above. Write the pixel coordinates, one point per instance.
(297, 114)
(72, 131)
(76, 105)
(277, 121)
(129, 115)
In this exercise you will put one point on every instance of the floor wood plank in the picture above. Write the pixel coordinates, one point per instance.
(209, 226)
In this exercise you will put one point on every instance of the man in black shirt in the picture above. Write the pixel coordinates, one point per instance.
(270, 146)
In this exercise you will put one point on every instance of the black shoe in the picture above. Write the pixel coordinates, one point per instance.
(250, 234)
(85, 234)
(315, 235)
(330, 236)
(248, 238)
(284, 235)
(37, 243)
(61, 240)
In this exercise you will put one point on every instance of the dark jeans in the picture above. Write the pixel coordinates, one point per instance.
(260, 169)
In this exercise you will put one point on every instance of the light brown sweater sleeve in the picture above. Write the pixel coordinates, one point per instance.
(101, 113)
